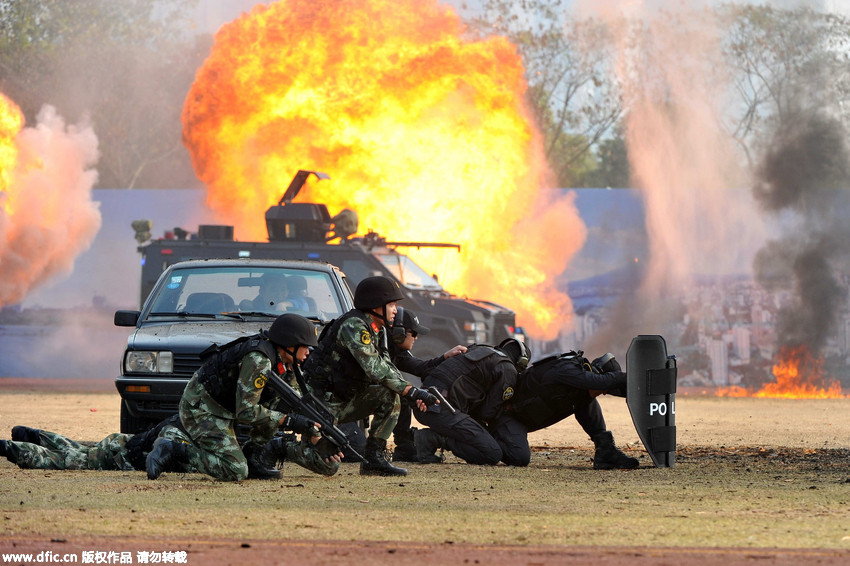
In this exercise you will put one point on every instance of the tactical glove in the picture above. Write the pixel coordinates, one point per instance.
(416, 394)
(298, 423)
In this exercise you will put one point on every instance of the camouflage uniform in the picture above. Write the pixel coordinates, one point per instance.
(210, 435)
(56, 452)
(209, 428)
(301, 452)
(372, 387)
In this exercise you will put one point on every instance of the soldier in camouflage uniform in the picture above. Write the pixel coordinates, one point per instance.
(45, 450)
(351, 371)
(228, 391)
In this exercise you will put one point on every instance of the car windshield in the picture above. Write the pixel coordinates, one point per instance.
(242, 291)
(406, 271)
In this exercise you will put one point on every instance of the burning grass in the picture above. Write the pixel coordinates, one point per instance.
(798, 374)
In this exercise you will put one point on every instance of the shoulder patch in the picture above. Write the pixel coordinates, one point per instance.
(365, 337)
(508, 393)
(260, 382)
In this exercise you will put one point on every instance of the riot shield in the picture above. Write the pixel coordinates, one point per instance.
(651, 397)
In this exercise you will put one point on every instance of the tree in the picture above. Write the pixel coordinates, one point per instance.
(573, 90)
(785, 62)
(125, 65)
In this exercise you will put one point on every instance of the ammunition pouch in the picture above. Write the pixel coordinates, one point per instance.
(331, 367)
(219, 371)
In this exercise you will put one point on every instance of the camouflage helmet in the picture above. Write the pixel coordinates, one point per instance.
(375, 292)
(291, 331)
(517, 350)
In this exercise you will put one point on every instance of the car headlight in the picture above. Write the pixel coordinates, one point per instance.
(477, 331)
(148, 362)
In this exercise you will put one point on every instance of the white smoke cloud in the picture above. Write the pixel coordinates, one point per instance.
(48, 217)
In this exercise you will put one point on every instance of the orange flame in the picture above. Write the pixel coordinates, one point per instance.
(11, 121)
(424, 134)
(47, 217)
(799, 375)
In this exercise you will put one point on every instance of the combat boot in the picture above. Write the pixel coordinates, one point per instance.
(608, 457)
(3, 453)
(259, 467)
(164, 456)
(405, 453)
(26, 434)
(274, 452)
(377, 463)
(427, 443)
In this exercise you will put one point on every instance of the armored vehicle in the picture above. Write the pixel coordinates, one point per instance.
(195, 304)
(306, 231)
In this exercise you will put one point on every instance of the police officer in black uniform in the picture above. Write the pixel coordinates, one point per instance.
(556, 387)
(477, 384)
(404, 332)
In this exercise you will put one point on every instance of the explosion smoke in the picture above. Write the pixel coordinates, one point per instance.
(47, 216)
(675, 89)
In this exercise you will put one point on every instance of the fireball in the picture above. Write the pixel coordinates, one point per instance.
(424, 133)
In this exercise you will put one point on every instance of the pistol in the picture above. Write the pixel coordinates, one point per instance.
(436, 393)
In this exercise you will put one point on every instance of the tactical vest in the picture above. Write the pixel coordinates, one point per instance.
(338, 373)
(219, 371)
(541, 399)
(467, 377)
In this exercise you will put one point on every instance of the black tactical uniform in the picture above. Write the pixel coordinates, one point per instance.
(556, 387)
(476, 384)
(406, 321)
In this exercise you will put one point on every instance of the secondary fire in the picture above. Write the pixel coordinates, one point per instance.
(47, 216)
(798, 374)
(425, 134)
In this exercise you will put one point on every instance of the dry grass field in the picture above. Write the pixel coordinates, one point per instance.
(754, 478)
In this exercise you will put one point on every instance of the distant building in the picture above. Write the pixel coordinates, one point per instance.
(719, 356)
(741, 343)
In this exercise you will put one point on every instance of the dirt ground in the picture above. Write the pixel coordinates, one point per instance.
(91, 411)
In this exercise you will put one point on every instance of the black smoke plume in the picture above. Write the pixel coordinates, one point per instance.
(805, 172)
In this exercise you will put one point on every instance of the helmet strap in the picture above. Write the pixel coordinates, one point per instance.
(291, 353)
(382, 315)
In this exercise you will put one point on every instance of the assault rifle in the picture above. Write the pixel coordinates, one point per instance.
(308, 405)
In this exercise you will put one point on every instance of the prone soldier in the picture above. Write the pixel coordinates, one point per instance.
(33, 448)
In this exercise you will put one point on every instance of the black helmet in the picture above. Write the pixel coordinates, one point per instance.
(291, 331)
(517, 350)
(606, 363)
(375, 292)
